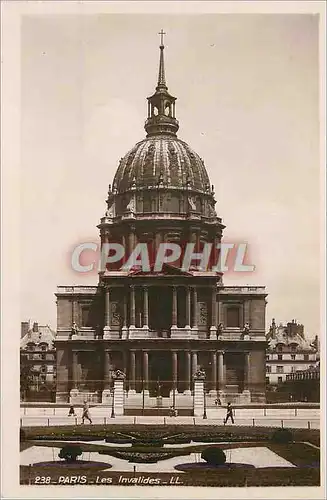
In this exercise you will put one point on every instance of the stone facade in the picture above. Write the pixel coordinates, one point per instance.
(160, 327)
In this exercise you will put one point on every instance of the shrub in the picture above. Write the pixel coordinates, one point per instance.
(282, 436)
(214, 456)
(157, 443)
(70, 452)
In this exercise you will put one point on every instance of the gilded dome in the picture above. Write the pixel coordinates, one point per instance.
(161, 160)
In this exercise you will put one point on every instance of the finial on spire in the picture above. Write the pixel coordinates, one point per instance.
(161, 105)
(162, 33)
(161, 76)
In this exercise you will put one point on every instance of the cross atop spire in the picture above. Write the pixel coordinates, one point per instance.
(162, 33)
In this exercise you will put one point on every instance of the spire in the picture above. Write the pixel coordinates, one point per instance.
(161, 75)
(161, 105)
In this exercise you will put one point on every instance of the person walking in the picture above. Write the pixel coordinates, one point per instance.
(72, 411)
(229, 413)
(86, 413)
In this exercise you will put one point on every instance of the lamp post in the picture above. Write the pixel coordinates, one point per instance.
(143, 402)
(204, 400)
(174, 396)
(113, 403)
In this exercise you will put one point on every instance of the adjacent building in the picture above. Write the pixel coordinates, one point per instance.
(37, 360)
(288, 351)
(160, 327)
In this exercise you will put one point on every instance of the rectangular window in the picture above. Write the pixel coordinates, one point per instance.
(85, 315)
(293, 357)
(306, 357)
(280, 357)
(268, 369)
(233, 317)
(280, 369)
(267, 380)
(280, 380)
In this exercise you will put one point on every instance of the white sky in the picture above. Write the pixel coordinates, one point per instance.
(247, 89)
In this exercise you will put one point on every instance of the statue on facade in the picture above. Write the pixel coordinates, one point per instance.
(200, 374)
(192, 203)
(118, 374)
(74, 329)
(131, 205)
(220, 329)
(246, 330)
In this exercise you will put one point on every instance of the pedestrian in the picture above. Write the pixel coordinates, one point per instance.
(229, 413)
(72, 411)
(86, 413)
(218, 402)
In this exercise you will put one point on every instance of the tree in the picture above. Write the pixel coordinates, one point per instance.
(70, 452)
(26, 378)
(214, 456)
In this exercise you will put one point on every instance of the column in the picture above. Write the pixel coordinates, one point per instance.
(194, 362)
(107, 309)
(124, 328)
(246, 370)
(146, 371)
(221, 381)
(213, 327)
(132, 307)
(188, 308)
(131, 242)
(220, 312)
(174, 310)
(132, 372)
(214, 308)
(214, 370)
(75, 370)
(146, 308)
(195, 308)
(106, 377)
(124, 243)
(174, 363)
(188, 372)
(106, 370)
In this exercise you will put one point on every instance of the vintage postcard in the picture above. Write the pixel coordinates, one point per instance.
(163, 327)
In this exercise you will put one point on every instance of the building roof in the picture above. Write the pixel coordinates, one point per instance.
(290, 334)
(161, 162)
(42, 335)
(161, 159)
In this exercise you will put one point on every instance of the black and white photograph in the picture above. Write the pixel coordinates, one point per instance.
(163, 265)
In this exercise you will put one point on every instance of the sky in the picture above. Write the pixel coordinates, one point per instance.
(247, 89)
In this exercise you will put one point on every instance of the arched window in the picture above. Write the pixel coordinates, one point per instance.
(167, 109)
(155, 111)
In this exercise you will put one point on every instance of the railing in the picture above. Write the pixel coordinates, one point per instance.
(77, 289)
(243, 289)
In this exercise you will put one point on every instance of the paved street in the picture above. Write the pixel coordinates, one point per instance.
(267, 417)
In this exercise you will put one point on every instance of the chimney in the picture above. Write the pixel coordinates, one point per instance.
(35, 327)
(24, 327)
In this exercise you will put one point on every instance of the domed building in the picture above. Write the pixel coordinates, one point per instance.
(159, 326)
